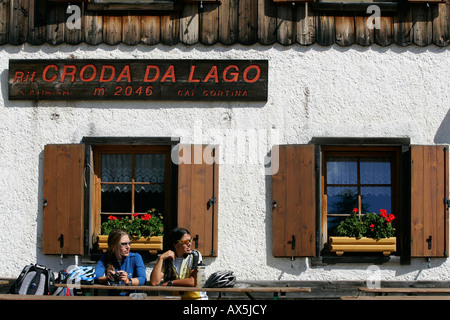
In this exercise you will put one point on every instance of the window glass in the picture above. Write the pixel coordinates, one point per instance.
(375, 171)
(375, 198)
(342, 200)
(132, 182)
(116, 198)
(116, 168)
(150, 168)
(360, 182)
(342, 170)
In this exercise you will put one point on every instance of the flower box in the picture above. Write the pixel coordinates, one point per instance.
(152, 244)
(347, 244)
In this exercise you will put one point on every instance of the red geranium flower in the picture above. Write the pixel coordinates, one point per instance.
(355, 210)
(146, 217)
(390, 217)
(111, 217)
(135, 215)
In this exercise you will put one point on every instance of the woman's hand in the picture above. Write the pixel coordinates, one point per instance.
(110, 275)
(123, 276)
(168, 254)
(156, 276)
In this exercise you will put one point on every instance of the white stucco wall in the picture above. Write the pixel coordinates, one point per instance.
(313, 91)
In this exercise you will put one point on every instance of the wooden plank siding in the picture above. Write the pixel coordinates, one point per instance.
(227, 22)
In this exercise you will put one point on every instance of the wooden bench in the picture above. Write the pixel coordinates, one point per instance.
(65, 298)
(405, 290)
(245, 290)
(395, 298)
(401, 293)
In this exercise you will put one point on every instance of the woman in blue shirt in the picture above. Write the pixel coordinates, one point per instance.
(118, 265)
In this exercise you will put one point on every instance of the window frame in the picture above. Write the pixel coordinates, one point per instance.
(120, 5)
(393, 152)
(337, 7)
(98, 151)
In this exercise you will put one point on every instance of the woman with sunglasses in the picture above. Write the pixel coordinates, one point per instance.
(119, 266)
(178, 267)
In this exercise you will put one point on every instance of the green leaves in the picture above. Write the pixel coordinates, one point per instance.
(378, 227)
(139, 225)
(370, 225)
(352, 227)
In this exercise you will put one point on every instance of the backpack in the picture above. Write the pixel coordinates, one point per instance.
(34, 280)
(74, 275)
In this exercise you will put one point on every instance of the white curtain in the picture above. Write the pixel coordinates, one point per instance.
(147, 168)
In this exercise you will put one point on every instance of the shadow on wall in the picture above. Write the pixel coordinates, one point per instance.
(443, 133)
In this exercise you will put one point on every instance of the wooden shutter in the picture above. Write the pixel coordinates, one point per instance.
(293, 197)
(63, 199)
(198, 177)
(429, 214)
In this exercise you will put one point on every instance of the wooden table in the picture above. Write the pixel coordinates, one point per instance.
(245, 290)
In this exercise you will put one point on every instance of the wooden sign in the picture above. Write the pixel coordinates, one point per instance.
(212, 80)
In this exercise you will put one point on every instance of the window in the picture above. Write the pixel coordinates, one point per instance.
(133, 4)
(84, 183)
(317, 185)
(358, 178)
(352, 6)
(131, 180)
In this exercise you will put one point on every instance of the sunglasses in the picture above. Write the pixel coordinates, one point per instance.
(185, 241)
(123, 244)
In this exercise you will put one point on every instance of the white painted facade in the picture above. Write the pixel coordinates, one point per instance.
(313, 92)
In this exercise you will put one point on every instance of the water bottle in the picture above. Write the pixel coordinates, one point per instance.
(201, 275)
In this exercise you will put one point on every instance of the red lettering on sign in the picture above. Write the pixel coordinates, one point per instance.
(147, 73)
(212, 74)
(102, 73)
(191, 75)
(126, 73)
(66, 72)
(44, 73)
(170, 73)
(258, 73)
(92, 77)
(235, 75)
(18, 76)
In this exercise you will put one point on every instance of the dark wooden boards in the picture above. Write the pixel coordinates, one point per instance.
(226, 22)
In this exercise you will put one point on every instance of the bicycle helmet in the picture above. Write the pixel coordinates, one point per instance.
(221, 279)
(80, 275)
